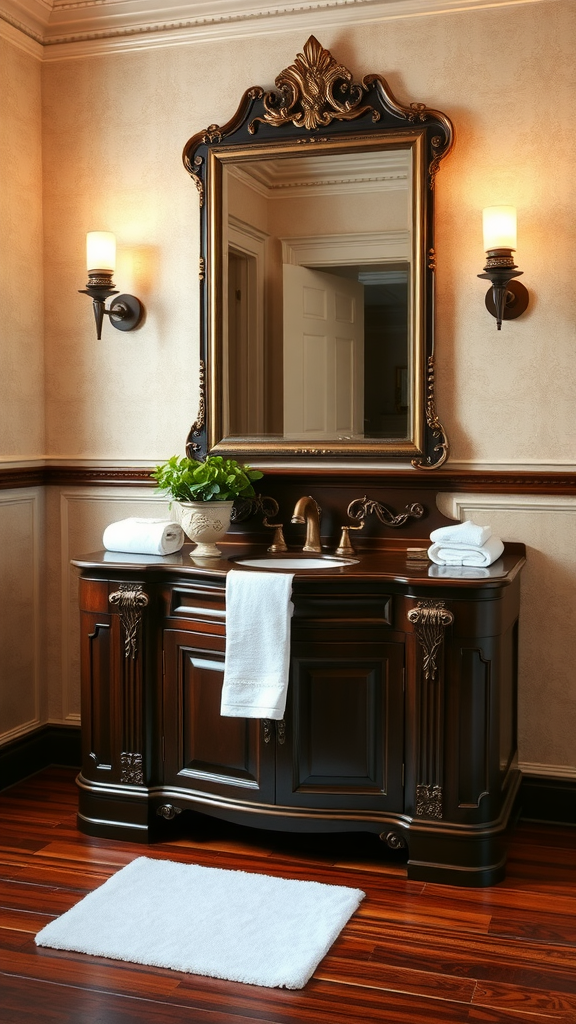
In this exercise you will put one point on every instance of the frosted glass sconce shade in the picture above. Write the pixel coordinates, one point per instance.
(507, 298)
(499, 223)
(126, 312)
(101, 251)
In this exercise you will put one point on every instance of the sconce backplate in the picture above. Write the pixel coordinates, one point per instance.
(126, 312)
(517, 297)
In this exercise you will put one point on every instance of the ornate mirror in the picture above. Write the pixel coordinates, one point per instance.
(317, 266)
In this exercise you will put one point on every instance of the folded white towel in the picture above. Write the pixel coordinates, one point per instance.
(258, 616)
(461, 533)
(466, 554)
(144, 536)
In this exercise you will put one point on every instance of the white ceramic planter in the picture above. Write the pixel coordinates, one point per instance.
(204, 522)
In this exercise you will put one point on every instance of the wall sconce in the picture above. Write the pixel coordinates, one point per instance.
(126, 311)
(507, 298)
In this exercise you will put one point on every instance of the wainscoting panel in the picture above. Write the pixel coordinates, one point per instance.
(21, 662)
(546, 690)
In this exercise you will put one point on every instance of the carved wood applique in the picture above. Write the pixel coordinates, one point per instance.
(430, 620)
(130, 599)
(131, 769)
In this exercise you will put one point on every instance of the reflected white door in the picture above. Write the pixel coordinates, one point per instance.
(323, 354)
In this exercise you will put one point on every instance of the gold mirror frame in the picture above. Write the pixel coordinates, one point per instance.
(319, 109)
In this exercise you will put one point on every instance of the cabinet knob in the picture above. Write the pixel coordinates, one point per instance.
(168, 811)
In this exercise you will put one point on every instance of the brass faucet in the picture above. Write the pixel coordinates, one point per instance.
(307, 511)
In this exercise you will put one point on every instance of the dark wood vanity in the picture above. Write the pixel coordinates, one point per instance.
(401, 714)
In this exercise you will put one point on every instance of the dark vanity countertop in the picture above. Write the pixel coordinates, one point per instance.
(389, 564)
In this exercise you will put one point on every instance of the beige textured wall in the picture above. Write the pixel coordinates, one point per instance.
(114, 127)
(113, 133)
(21, 260)
(21, 388)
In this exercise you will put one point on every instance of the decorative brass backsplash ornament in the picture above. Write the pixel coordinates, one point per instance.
(359, 508)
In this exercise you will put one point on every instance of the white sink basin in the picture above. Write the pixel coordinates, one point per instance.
(296, 562)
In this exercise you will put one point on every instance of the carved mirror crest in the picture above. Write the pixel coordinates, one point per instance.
(317, 270)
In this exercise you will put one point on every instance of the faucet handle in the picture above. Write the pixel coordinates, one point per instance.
(345, 546)
(278, 542)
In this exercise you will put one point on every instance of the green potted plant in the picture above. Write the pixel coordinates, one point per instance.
(202, 495)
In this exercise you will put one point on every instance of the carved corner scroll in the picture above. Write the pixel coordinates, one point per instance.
(194, 168)
(130, 599)
(430, 619)
(314, 91)
(441, 450)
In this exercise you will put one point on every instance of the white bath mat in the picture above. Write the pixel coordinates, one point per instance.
(225, 924)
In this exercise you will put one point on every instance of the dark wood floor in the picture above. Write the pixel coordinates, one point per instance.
(413, 952)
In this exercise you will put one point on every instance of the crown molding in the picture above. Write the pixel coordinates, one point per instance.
(74, 28)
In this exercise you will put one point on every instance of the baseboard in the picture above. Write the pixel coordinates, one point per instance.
(548, 800)
(51, 744)
(552, 801)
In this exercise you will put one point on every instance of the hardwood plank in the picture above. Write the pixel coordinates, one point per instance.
(94, 973)
(340, 1003)
(32, 1002)
(25, 921)
(480, 957)
(512, 997)
(29, 896)
(372, 974)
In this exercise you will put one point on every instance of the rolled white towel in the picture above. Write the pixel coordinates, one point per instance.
(461, 533)
(466, 554)
(144, 536)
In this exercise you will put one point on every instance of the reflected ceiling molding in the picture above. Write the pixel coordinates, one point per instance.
(71, 29)
(341, 174)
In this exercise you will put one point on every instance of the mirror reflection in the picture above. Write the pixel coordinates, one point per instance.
(318, 287)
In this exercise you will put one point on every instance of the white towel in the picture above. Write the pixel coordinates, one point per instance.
(258, 616)
(461, 533)
(466, 554)
(144, 536)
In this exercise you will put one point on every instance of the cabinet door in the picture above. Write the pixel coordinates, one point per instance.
(343, 743)
(204, 751)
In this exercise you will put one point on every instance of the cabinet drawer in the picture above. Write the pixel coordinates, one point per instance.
(201, 602)
(336, 610)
